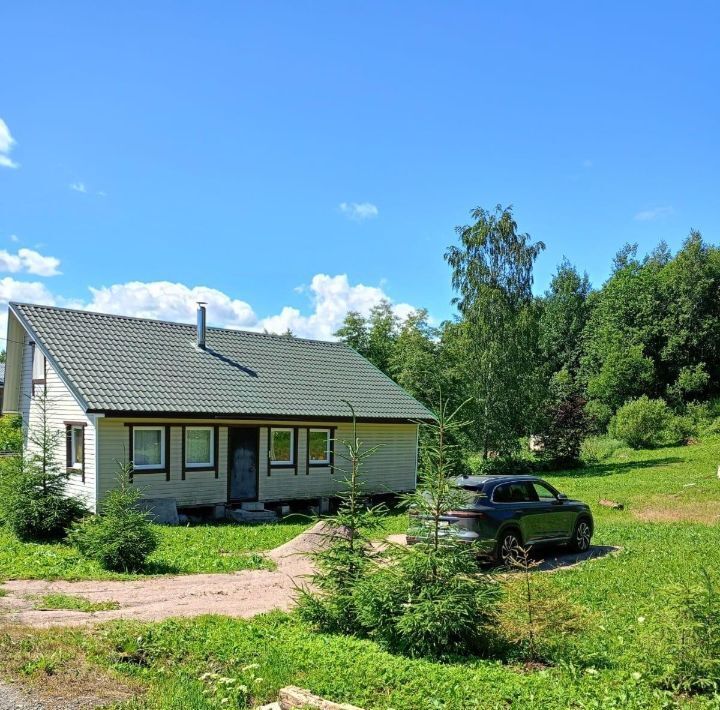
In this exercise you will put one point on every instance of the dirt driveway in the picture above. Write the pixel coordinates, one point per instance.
(242, 594)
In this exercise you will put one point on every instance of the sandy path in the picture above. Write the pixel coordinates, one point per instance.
(241, 594)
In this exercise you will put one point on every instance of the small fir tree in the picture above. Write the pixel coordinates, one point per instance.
(344, 558)
(431, 599)
(38, 507)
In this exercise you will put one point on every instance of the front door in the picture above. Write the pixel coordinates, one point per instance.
(242, 463)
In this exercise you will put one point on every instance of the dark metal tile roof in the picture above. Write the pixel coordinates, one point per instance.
(121, 364)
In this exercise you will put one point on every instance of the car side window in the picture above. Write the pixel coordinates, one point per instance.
(514, 493)
(543, 492)
(501, 494)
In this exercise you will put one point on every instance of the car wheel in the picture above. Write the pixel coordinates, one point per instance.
(581, 537)
(509, 548)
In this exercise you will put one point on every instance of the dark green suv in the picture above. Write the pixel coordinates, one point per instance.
(506, 512)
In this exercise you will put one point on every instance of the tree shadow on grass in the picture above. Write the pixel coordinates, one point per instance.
(608, 469)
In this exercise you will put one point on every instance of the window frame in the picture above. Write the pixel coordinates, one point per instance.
(36, 353)
(327, 461)
(162, 466)
(205, 465)
(71, 464)
(276, 463)
(74, 463)
(542, 485)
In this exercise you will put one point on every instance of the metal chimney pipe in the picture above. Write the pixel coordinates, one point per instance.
(201, 325)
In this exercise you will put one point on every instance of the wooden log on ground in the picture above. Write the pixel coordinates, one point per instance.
(292, 698)
(611, 504)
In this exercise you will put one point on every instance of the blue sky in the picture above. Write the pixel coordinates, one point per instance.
(302, 158)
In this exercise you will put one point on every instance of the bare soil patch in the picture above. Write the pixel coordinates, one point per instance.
(680, 511)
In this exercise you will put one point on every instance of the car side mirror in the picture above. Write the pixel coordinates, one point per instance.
(562, 496)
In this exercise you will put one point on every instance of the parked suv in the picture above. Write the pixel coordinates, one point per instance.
(506, 512)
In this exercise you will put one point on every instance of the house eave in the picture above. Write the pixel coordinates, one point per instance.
(234, 416)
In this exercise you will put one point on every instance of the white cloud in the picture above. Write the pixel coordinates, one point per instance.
(332, 297)
(171, 301)
(654, 213)
(27, 291)
(78, 187)
(14, 238)
(359, 210)
(6, 145)
(28, 261)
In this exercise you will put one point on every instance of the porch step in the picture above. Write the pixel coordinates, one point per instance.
(252, 505)
(252, 516)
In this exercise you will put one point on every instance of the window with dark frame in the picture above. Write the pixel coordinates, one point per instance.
(148, 447)
(282, 446)
(319, 447)
(199, 447)
(75, 446)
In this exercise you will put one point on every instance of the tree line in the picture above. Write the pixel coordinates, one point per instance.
(558, 365)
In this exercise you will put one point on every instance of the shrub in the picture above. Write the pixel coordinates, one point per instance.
(599, 415)
(641, 423)
(691, 383)
(598, 448)
(120, 538)
(679, 429)
(694, 642)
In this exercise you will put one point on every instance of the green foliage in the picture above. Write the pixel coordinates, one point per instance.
(625, 372)
(36, 504)
(565, 422)
(373, 337)
(11, 434)
(692, 381)
(596, 449)
(429, 603)
(693, 649)
(496, 340)
(642, 422)
(565, 311)
(430, 599)
(348, 551)
(599, 415)
(121, 537)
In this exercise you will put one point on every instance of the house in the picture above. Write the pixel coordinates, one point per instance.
(207, 416)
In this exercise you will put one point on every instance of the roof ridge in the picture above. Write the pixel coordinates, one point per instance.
(161, 321)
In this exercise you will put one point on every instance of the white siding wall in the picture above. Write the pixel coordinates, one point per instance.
(391, 468)
(62, 407)
(198, 487)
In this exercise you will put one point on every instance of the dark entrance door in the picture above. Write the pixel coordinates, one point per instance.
(243, 463)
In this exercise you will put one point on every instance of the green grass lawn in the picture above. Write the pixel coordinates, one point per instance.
(667, 533)
(225, 547)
